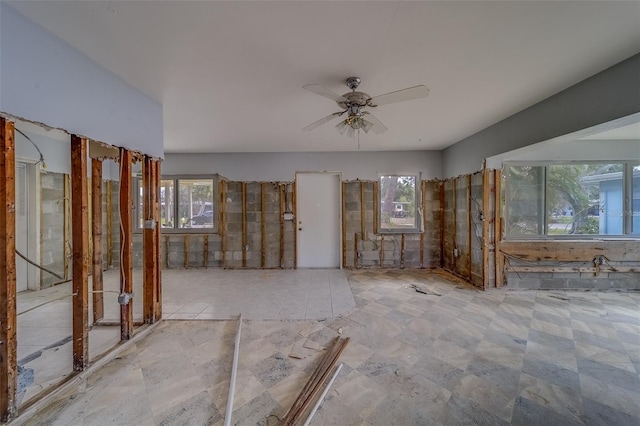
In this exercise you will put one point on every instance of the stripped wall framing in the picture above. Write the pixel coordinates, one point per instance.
(81, 217)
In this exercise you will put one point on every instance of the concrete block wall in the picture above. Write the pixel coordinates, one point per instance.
(365, 247)
(52, 227)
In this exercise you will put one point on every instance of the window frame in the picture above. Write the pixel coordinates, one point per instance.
(215, 178)
(627, 200)
(417, 227)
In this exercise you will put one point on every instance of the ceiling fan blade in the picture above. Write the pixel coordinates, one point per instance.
(322, 121)
(376, 125)
(414, 92)
(323, 91)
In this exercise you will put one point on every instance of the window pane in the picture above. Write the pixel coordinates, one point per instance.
(167, 203)
(196, 203)
(593, 194)
(635, 201)
(398, 202)
(525, 200)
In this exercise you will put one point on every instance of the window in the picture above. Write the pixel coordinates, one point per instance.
(574, 199)
(399, 203)
(185, 203)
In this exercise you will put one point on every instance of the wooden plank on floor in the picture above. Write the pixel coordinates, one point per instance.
(80, 259)
(126, 245)
(8, 326)
(96, 232)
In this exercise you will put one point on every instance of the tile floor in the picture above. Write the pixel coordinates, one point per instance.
(458, 356)
(44, 317)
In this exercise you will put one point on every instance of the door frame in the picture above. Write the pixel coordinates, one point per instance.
(340, 218)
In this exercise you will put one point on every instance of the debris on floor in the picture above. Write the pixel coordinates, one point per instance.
(423, 290)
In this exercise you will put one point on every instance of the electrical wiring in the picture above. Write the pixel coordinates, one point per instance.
(41, 160)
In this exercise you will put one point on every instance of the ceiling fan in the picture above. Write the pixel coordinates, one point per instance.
(354, 104)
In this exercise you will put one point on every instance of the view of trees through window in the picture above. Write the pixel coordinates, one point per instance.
(570, 199)
(398, 202)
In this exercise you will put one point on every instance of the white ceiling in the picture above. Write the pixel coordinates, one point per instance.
(230, 74)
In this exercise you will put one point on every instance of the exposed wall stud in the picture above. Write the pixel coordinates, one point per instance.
(381, 250)
(126, 245)
(375, 207)
(294, 209)
(442, 224)
(469, 227)
(150, 242)
(96, 228)
(222, 221)
(205, 251)
(363, 213)
(454, 200)
(158, 235)
(244, 224)
(423, 190)
(281, 193)
(67, 224)
(344, 224)
(263, 226)
(109, 211)
(8, 326)
(486, 221)
(498, 230)
(402, 242)
(80, 263)
(185, 241)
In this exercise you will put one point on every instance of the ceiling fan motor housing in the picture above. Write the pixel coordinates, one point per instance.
(358, 99)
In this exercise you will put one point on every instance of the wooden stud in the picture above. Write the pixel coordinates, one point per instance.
(149, 241)
(455, 224)
(205, 251)
(185, 241)
(8, 325)
(166, 252)
(376, 205)
(222, 221)
(80, 263)
(243, 186)
(96, 228)
(442, 223)
(402, 242)
(499, 257)
(381, 250)
(126, 244)
(355, 250)
(158, 235)
(67, 224)
(486, 220)
(263, 226)
(363, 213)
(109, 210)
(344, 224)
(423, 190)
(469, 227)
(281, 192)
(294, 209)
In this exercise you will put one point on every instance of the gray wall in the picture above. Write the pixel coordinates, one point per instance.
(611, 94)
(283, 166)
(44, 79)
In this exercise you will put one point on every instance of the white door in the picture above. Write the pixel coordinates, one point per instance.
(22, 226)
(318, 220)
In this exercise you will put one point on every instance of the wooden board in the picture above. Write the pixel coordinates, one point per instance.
(80, 259)
(96, 232)
(8, 326)
(126, 243)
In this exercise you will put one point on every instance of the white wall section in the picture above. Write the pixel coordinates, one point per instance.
(44, 79)
(284, 165)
